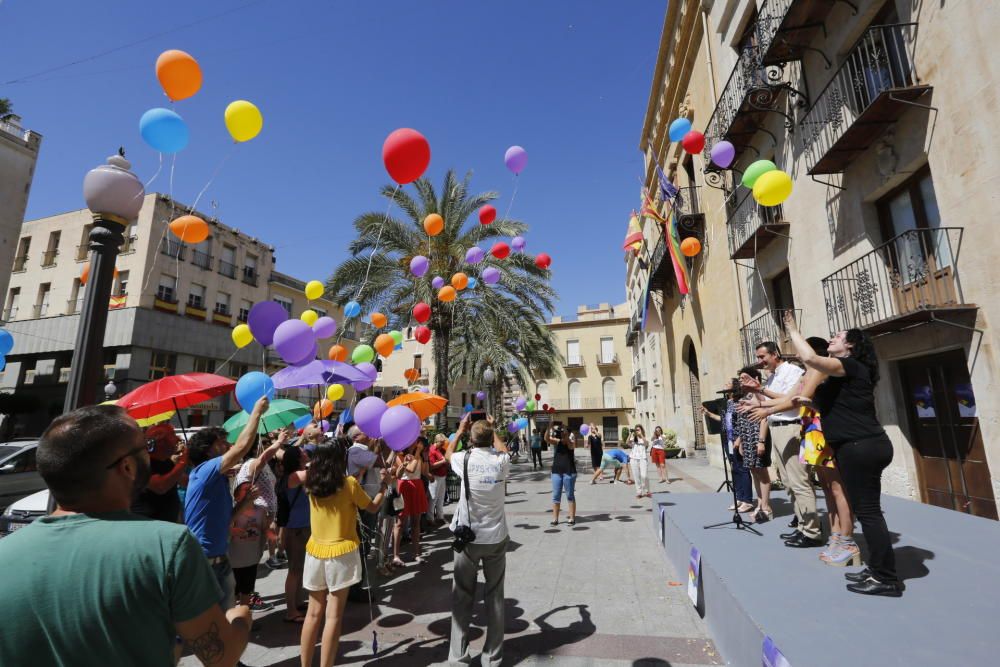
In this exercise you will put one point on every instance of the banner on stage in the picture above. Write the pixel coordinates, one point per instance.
(771, 656)
(663, 511)
(694, 575)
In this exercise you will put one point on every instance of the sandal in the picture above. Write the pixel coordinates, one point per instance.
(572, 521)
(398, 563)
(553, 523)
(298, 619)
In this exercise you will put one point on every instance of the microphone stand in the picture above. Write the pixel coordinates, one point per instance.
(737, 520)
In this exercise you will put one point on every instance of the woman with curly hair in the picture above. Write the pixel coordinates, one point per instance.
(861, 448)
(333, 560)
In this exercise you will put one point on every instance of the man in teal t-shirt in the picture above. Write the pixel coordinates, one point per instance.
(93, 584)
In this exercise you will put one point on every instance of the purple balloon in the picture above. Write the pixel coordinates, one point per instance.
(325, 425)
(516, 159)
(309, 358)
(293, 339)
(264, 318)
(474, 255)
(370, 373)
(400, 426)
(518, 243)
(368, 414)
(491, 276)
(584, 429)
(425, 390)
(419, 265)
(325, 327)
(438, 282)
(512, 427)
(520, 403)
(723, 154)
(480, 395)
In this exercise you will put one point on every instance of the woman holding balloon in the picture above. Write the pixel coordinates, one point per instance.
(409, 473)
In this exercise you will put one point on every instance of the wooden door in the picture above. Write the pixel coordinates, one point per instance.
(944, 428)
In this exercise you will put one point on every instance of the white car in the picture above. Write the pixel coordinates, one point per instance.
(18, 473)
(23, 512)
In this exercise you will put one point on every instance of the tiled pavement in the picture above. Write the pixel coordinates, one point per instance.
(599, 593)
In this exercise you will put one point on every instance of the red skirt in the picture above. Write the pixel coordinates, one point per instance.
(414, 498)
(659, 456)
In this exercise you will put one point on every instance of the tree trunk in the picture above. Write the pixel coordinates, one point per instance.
(440, 341)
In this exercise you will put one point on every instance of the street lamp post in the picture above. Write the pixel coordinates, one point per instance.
(488, 377)
(114, 195)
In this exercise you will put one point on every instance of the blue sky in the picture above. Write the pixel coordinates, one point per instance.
(567, 80)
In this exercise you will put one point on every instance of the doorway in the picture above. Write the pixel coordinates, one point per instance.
(694, 383)
(941, 411)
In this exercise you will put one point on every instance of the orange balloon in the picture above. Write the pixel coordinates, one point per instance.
(179, 74)
(460, 281)
(447, 293)
(411, 374)
(379, 320)
(190, 229)
(433, 224)
(85, 273)
(337, 353)
(322, 409)
(384, 345)
(690, 246)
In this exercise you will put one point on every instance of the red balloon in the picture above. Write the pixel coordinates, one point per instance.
(500, 250)
(693, 141)
(552, 409)
(545, 406)
(406, 155)
(422, 334)
(487, 214)
(542, 260)
(421, 312)
(538, 397)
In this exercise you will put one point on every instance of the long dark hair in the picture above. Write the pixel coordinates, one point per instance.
(291, 462)
(863, 351)
(328, 469)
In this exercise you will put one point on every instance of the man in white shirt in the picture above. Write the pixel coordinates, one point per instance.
(361, 462)
(484, 513)
(785, 427)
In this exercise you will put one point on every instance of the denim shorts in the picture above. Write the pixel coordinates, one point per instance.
(560, 482)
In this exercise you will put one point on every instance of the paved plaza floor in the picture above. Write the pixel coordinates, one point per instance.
(598, 593)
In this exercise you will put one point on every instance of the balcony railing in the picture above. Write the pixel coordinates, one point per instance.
(638, 379)
(786, 28)
(765, 327)
(19, 262)
(129, 246)
(871, 89)
(41, 310)
(588, 403)
(905, 280)
(201, 259)
(173, 249)
(74, 306)
(632, 334)
(607, 360)
(227, 269)
(752, 226)
(249, 276)
(573, 361)
(49, 257)
(82, 251)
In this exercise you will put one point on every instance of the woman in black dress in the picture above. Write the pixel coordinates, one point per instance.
(846, 399)
(596, 447)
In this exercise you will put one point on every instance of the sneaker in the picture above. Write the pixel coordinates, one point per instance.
(275, 564)
(257, 604)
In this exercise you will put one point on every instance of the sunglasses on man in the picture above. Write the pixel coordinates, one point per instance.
(149, 446)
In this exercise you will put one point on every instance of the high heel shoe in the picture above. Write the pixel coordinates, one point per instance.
(743, 508)
(763, 516)
(847, 554)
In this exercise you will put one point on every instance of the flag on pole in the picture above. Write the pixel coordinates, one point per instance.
(633, 238)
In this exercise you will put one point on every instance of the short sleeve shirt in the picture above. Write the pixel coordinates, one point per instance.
(436, 455)
(488, 473)
(847, 404)
(267, 500)
(208, 507)
(160, 506)
(100, 589)
(618, 455)
(783, 380)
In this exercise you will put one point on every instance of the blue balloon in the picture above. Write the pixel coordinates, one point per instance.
(468, 407)
(472, 283)
(679, 128)
(352, 309)
(251, 387)
(522, 423)
(6, 342)
(302, 421)
(164, 130)
(3, 362)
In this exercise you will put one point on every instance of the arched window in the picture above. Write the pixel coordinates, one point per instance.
(610, 393)
(575, 398)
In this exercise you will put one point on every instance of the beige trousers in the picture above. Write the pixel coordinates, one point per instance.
(795, 474)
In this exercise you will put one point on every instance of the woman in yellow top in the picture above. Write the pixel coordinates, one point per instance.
(333, 560)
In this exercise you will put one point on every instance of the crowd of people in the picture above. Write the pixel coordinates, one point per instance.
(815, 418)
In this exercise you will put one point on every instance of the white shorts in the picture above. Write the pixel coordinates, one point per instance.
(331, 574)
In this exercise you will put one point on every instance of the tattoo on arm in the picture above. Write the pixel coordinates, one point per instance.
(209, 646)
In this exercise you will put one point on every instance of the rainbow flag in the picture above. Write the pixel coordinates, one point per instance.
(674, 244)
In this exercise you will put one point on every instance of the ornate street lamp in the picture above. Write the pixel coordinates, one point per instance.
(109, 390)
(114, 195)
(488, 377)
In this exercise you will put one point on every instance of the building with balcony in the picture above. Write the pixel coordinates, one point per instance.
(172, 307)
(18, 156)
(869, 106)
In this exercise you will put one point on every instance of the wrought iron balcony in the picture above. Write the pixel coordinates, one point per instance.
(765, 327)
(250, 275)
(49, 258)
(588, 403)
(752, 91)
(129, 246)
(227, 269)
(607, 360)
(82, 251)
(632, 333)
(638, 379)
(786, 28)
(905, 280)
(871, 89)
(172, 248)
(573, 361)
(201, 259)
(752, 226)
(19, 262)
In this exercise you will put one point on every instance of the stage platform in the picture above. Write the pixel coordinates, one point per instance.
(755, 587)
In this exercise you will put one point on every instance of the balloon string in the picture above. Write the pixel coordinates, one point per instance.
(150, 181)
(145, 280)
(211, 178)
(385, 219)
(512, 196)
(218, 371)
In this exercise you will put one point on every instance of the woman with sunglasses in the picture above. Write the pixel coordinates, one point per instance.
(168, 465)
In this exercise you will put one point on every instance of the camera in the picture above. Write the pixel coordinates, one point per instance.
(463, 536)
(558, 430)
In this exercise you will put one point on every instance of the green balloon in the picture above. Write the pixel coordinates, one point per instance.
(362, 353)
(397, 337)
(530, 406)
(756, 170)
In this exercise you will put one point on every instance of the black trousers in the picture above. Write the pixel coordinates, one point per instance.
(861, 463)
(536, 456)
(596, 452)
(741, 479)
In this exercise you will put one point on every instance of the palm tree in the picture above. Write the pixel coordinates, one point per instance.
(6, 109)
(500, 325)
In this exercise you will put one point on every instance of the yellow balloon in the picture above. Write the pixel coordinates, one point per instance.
(309, 317)
(242, 336)
(772, 188)
(314, 290)
(243, 120)
(335, 392)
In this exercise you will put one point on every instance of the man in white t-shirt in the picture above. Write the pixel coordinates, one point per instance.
(489, 469)
(784, 428)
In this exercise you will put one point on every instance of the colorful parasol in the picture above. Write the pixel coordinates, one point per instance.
(174, 392)
(424, 405)
(281, 413)
(316, 373)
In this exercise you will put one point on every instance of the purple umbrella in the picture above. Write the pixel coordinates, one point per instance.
(318, 372)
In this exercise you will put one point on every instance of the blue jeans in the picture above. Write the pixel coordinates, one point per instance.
(560, 482)
(741, 479)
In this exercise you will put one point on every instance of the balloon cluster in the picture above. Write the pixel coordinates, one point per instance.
(295, 340)
(770, 185)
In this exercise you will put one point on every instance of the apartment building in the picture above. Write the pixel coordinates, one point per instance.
(873, 108)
